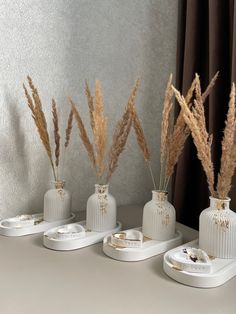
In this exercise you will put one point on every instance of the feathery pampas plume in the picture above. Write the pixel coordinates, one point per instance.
(69, 129)
(181, 130)
(99, 130)
(202, 143)
(121, 133)
(35, 105)
(140, 137)
(56, 132)
(83, 134)
(103, 161)
(228, 160)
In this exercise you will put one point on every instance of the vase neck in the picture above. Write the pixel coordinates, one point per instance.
(216, 203)
(159, 196)
(59, 184)
(101, 188)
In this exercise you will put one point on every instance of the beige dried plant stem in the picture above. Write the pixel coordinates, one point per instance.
(56, 135)
(90, 103)
(202, 144)
(120, 137)
(69, 129)
(67, 138)
(227, 159)
(140, 137)
(181, 130)
(83, 134)
(165, 131)
(99, 131)
(180, 134)
(121, 133)
(34, 103)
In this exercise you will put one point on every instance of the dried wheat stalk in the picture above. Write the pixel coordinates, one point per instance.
(83, 134)
(202, 144)
(56, 132)
(35, 106)
(69, 129)
(99, 130)
(228, 160)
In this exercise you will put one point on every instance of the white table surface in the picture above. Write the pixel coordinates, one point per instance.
(35, 280)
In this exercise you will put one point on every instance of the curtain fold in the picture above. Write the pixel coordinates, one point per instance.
(206, 44)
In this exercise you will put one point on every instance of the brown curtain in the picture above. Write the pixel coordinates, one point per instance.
(206, 44)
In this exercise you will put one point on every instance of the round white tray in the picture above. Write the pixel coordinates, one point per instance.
(222, 270)
(52, 241)
(41, 226)
(148, 249)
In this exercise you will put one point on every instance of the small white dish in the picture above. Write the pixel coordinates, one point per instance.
(28, 224)
(82, 237)
(221, 269)
(144, 250)
(130, 238)
(191, 260)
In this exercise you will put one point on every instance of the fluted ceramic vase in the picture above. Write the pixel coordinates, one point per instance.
(217, 229)
(159, 217)
(57, 203)
(101, 210)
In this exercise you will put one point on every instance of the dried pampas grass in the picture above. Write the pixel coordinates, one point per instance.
(202, 143)
(68, 129)
(228, 157)
(195, 120)
(99, 130)
(120, 135)
(83, 134)
(56, 132)
(35, 105)
(174, 135)
(103, 160)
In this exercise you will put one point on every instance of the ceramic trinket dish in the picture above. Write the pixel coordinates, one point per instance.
(74, 236)
(122, 247)
(22, 225)
(202, 271)
(156, 236)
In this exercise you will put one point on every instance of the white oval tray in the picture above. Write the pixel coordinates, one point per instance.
(149, 248)
(51, 240)
(41, 226)
(222, 270)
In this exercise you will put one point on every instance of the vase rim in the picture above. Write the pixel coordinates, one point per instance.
(227, 199)
(103, 185)
(160, 192)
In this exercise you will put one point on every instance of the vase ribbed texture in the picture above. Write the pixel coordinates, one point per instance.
(159, 218)
(57, 203)
(217, 229)
(101, 210)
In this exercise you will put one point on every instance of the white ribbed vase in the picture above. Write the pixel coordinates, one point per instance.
(159, 217)
(101, 210)
(57, 203)
(217, 229)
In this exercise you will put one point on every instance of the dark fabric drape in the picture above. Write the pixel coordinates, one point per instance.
(206, 44)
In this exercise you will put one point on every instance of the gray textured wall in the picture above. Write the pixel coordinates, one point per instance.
(60, 43)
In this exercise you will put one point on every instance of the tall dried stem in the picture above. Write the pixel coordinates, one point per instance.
(202, 144)
(35, 105)
(56, 135)
(227, 159)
